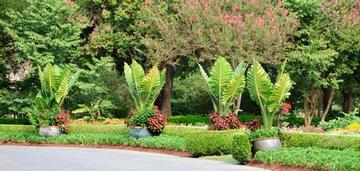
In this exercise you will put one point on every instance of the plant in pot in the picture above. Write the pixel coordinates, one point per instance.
(224, 86)
(47, 113)
(270, 98)
(146, 119)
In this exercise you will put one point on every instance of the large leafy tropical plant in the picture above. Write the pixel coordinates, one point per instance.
(224, 85)
(270, 97)
(56, 83)
(144, 90)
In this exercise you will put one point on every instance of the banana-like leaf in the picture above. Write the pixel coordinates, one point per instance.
(83, 109)
(63, 88)
(280, 92)
(131, 84)
(259, 84)
(235, 87)
(151, 85)
(203, 74)
(220, 75)
(240, 69)
(137, 75)
(41, 104)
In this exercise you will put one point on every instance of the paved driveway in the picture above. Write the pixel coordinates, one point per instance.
(25, 158)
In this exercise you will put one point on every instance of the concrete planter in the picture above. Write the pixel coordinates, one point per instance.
(266, 144)
(139, 132)
(49, 131)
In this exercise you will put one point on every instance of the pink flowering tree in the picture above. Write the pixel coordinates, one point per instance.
(202, 30)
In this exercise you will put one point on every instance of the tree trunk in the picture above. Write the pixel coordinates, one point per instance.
(347, 100)
(328, 106)
(164, 99)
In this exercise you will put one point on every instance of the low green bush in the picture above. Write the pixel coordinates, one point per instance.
(264, 133)
(182, 131)
(98, 129)
(18, 128)
(241, 148)
(341, 122)
(318, 158)
(162, 141)
(327, 141)
(206, 143)
(17, 121)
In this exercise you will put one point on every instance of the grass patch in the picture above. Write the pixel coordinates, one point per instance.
(224, 158)
(348, 159)
(17, 128)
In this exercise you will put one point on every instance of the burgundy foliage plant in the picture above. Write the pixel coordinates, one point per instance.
(224, 123)
(62, 120)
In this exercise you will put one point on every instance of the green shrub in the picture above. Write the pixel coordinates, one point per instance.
(338, 142)
(318, 158)
(17, 121)
(162, 141)
(98, 129)
(206, 143)
(18, 128)
(241, 148)
(182, 131)
(296, 121)
(264, 133)
(341, 122)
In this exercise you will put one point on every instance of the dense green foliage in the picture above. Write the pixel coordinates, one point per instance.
(264, 133)
(316, 158)
(18, 121)
(241, 148)
(341, 122)
(327, 141)
(207, 143)
(163, 141)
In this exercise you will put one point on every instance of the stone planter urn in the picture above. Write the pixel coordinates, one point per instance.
(139, 132)
(49, 131)
(265, 144)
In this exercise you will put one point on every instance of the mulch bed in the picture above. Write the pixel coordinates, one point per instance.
(279, 167)
(117, 147)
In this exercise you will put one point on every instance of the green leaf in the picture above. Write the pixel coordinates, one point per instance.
(280, 92)
(220, 76)
(259, 85)
(151, 85)
(236, 86)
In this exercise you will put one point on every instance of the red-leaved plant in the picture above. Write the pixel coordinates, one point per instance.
(224, 123)
(157, 122)
(254, 125)
(62, 120)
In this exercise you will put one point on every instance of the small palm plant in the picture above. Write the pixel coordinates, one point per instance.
(56, 83)
(144, 90)
(270, 97)
(224, 85)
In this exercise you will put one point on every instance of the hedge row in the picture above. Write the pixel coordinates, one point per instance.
(17, 121)
(317, 158)
(326, 141)
(206, 143)
(162, 141)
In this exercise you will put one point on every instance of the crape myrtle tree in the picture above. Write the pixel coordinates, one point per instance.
(326, 52)
(239, 30)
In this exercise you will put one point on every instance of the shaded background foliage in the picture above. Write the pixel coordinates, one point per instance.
(96, 37)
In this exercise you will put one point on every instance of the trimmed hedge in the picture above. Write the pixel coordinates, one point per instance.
(327, 141)
(188, 119)
(241, 148)
(206, 143)
(17, 121)
(318, 158)
(162, 141)
(98, 129)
